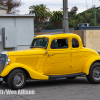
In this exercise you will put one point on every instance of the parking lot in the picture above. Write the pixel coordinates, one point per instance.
(62, 89)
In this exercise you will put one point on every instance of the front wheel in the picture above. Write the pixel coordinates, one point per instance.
(94, 73)
(16, 79)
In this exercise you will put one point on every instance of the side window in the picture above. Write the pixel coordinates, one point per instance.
(75, 43)
(59, 43)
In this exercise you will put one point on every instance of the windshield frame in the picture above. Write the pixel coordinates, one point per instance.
(40, 46)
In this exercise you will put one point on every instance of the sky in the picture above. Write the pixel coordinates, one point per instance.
(55, 5)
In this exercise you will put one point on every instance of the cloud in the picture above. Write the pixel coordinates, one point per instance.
(58, 4)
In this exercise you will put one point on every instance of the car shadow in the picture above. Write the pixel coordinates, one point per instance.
(48, 83)
(58, 82)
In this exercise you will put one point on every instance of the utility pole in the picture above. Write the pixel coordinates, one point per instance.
(94, 16)
(94, 8)
(65, 17)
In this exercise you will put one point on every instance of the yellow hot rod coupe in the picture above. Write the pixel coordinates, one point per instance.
(50, 56)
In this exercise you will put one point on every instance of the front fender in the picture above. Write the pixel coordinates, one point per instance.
(89, 62)
(33, 74)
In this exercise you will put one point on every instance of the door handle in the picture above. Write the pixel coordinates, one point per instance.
(49, 55)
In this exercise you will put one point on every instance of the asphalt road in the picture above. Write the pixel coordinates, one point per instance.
(76, 89)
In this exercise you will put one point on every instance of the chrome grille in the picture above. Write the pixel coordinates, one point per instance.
(3, 62)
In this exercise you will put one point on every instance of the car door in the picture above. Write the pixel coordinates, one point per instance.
(79, 56)
(58, 58)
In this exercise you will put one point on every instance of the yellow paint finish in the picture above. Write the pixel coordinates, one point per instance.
(31, 61)
(89, 62)
(79, 58)
(41, 67)
(33, 74)
(40, 62)
(58, 62)
(31, 57)
(29, 52)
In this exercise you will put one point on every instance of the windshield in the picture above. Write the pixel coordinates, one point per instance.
(40, 43)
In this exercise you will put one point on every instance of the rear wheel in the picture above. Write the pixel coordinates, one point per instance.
(16, 79)
(94, 73)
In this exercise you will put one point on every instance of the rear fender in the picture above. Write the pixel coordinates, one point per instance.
(89, 62)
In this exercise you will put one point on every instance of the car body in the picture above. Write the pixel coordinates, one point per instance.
(50, 56)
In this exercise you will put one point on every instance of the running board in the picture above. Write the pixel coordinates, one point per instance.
(65, 76)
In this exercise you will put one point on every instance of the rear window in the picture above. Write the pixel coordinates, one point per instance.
(75, 43)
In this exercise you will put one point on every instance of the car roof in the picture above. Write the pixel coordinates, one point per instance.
(57, 35)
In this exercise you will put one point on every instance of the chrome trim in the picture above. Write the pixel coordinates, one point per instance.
(96, 73)
(46, 52)
(6, 60)
(19, 79)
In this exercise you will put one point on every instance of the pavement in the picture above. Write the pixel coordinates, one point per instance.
(62, 89)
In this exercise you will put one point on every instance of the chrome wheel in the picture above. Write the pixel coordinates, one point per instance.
(96, 73)
(19, 79)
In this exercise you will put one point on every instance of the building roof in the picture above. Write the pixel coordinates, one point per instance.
(3, 7)
(17, 15)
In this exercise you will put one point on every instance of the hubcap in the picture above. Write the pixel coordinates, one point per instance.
(96, 73)
(19, 79)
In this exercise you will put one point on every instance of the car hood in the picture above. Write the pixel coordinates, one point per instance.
(33, 51)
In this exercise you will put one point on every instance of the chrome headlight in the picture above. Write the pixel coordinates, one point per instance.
(8, 61)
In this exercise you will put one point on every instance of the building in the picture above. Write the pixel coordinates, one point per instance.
(16, 31)
(3, 9)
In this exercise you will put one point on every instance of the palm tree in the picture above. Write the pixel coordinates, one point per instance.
(36, 10)
(41, 13)
(57, 17)
(45, 13)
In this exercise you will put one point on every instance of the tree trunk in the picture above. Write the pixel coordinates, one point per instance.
(57, 26)
(42, 25)
(37, 25)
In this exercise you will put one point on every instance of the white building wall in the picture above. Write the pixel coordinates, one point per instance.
(22, 28)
